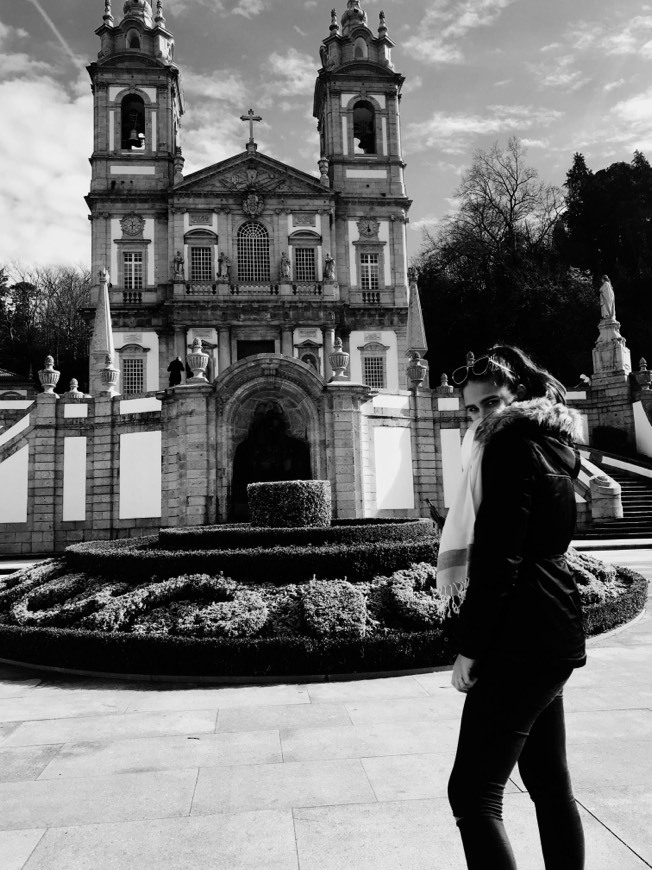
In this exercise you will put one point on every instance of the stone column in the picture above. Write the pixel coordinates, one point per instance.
(287, 344)
(223, 349)
(329, 341)
(344, 447)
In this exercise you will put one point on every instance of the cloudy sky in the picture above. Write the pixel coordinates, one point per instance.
(563, 77)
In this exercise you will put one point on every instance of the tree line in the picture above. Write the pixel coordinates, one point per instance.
(40, 314)
(520, 261)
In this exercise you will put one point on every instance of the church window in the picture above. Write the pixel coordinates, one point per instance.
(361, 49)
(133, 123)
(374, 365)
(132, 273)
(304, 264)
(364, 127)
(133, 376)
(201, 263)
(369, 271)
(253, 253)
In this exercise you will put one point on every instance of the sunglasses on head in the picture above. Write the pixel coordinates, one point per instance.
(478, 367)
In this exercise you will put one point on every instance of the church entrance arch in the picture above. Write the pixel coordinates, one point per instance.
(271, 427)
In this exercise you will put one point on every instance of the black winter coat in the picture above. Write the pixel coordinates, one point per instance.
(522, 601)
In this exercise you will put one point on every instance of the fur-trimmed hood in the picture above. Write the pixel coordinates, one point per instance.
(552, 419)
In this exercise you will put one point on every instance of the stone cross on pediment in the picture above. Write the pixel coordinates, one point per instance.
(251, 117)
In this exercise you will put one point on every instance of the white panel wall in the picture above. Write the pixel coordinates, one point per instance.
(451, 451)
(140, 475)
(14, 430)
(643, 430)
(393, 463)
(383, 235)
(74, 478)
(13, 487)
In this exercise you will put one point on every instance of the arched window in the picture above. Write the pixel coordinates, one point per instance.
(360, 48)
(133, 40)
(364, 127)
(253, 253)
(133, 123)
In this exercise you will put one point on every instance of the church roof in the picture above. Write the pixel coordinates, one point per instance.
(253, 171)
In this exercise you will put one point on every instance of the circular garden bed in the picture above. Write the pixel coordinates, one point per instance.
(236, 602)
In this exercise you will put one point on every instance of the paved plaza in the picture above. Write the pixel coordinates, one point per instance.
(323, 776)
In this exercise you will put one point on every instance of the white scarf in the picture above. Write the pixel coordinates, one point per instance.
(457, 534)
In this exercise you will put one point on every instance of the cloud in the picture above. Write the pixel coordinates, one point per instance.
(627, 37)
(249, 8)
(453, 133)
(18, 64)
(559, 74)
(447, 22)
(611, 86)
(225, 86)
(293, 73)
(174, 7)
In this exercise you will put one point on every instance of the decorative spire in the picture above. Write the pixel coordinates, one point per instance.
(353, 16)
(108, 14)
(335, 24)
(382, 25)
(416, 332)
(140, 9)
(102, 346)
(159, 19)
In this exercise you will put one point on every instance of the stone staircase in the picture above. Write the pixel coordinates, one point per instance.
(637, 509)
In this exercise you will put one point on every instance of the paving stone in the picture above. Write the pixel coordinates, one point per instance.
(276, 717)
(604, 725)
(622, 696)
(84, 801)
(44, 706)
(399, 738)
(626, 812)
(17, 846)
(164, 753)
(281, 786)
(264, 841)
(446, 704)
(25, 763)
(412, 777)
(404, 835)
(221, 698)
(362, 690)
(112, 727)
(603, 850)
(6, 729)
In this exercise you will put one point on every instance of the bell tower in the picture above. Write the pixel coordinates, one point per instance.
(357, 98)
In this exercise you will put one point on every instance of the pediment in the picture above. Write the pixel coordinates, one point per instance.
(252, 173)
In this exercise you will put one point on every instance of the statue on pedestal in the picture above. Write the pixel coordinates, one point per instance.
(607, 299)
(329, 268)
(223, 267)
(285, 269)
(178, 265)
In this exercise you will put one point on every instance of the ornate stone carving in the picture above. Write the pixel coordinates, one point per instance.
(305, 220)
(253, 204)
(132, 224)
(201, 218)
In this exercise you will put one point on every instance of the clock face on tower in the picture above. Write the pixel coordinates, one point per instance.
(132, 224)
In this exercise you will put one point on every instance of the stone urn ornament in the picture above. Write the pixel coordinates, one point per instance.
(339, 361)
(109, 376)
(416, 370)
(197, 361)
(49, 376)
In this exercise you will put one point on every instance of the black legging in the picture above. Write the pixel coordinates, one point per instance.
(515, 714)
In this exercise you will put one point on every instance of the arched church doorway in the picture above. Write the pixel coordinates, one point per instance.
(268, 452)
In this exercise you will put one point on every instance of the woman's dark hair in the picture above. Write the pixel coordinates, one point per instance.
(508, 366)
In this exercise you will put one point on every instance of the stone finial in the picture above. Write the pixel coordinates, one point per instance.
(74, 393)
(382, 24)
(159, 19)
(444, 388)
(198, 362)
(416, 330)
(335, 24)
(339, 360)
(643, 376)
(108, 14)
(140, 9)
(416, 371)
(49, 376)
(323, 172)
(642, 364)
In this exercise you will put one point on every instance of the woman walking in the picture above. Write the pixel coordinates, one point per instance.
(518, 623)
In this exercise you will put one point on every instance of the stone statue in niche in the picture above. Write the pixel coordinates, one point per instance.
(329, 268)
(269, 452)
(178, 265)
(285, 270)
(607, 299)
(223, 267)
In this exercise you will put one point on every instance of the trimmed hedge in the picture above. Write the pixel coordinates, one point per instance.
(603, 616)
(242, 536)
(280, 565)
(290, 503)
(333, 608)
(413, 594)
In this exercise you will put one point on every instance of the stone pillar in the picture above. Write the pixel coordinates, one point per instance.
(223, 349)
(424, 458)
(611, 353)
(42, 485)
(344, 447)
(329, 341)
(192, 503)
(287, 344)
(103, 483)
(606, 501)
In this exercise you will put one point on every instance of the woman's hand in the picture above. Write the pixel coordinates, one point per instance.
(463, 678)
